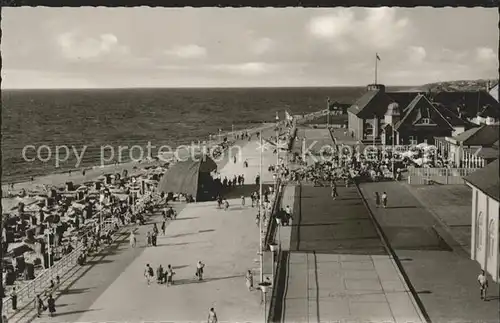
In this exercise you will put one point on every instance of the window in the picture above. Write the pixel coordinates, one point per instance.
(412, 140)
(491, 237)
(425, 121)
(479, 231)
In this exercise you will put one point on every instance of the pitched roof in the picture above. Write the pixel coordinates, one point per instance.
(485, 135)
(487, 180)
(452, 117)
(420, 107)
(361, 104)
(403, 98)
(473, 102)
(494, 92)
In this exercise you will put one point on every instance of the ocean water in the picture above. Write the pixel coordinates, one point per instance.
(127, 117)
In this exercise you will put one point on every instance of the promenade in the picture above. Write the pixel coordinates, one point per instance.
(338, 267)
(433, 258)
(226, 241)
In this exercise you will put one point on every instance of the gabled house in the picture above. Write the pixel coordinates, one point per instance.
(485, 228)
(366, 116)
(473, 148)
(478, 106)
(420, 122)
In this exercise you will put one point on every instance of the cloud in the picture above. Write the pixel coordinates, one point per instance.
(485, 55)
(417, 54)
(332, 26)
(251, 68)
(32, 79)
(262, 46)
(379, 29)
(76, 47)
(192, 51)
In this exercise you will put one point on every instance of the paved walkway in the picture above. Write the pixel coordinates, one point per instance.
(338, 267)
(226, 241)
(440, 271)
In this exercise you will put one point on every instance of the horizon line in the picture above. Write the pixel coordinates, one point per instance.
(203, 87)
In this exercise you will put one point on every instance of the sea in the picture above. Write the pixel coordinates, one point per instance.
(42, 120)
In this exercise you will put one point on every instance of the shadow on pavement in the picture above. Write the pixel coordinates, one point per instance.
(76, 291)
(102, 261)
(403, 207)
(75, 312)
(206, 280)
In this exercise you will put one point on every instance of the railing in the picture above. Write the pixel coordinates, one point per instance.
(275, 313)
(447, 176)
(27, 293)
(271, 226)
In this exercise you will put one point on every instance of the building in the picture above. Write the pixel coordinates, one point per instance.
(473, 148)
(485, 229)
(423, 116)
(478, 107)
(366, 116)
(494, 92)
(419, 122)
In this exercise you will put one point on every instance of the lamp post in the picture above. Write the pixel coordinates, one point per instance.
(277, 144)
(49, 250)
(274, 248)
(261, 254)
(220, 135)
(263, 287)
(392, 162)
(232, 130)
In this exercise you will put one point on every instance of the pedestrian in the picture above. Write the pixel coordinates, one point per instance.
(51, 304)
(39, 306)
(199, 270)
(133, 239)
(249, 280)
(148, 239)
(384, 199)
(377, 199)
(163, 227)
(334, 190)
(170, 275)
(252, 198)
(483, 284)
(212, 316)
(148, 274)
(242, 200)
(13, 297)
(159, 275)
(226, 205)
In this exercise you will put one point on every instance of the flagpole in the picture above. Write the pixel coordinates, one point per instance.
(376, 65)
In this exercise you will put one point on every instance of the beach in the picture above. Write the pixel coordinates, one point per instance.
(92, 173)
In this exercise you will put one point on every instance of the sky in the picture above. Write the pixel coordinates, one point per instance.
(247, 47)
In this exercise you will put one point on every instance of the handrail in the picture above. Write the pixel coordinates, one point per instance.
(276, 303)
(42, 281)
(269, 237)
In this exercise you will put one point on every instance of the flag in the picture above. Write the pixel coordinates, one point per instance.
(277, 116)
(378, 57)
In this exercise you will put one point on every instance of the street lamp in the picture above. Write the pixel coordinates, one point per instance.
(220, 135)
(48, 232)
(274, 248)
(263, 287)
(261, 254)
(277, 144)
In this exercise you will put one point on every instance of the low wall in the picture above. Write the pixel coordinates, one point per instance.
(443, 176)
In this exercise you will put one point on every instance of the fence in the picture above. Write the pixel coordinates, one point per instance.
(446, 176)
(27, 293)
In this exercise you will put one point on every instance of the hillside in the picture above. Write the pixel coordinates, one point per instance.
(462, 85)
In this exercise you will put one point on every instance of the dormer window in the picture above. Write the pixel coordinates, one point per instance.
(425, 121)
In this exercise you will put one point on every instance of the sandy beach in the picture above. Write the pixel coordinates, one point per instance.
(77, 176)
